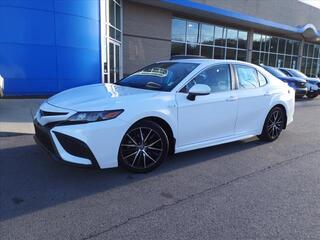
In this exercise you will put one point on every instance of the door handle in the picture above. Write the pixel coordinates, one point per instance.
(268, 94)
(232, 99)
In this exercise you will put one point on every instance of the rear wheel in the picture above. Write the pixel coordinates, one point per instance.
(144, 147)
(274, 124)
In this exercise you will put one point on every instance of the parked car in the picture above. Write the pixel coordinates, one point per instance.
(167, 107)
(298, 84)
(313, 84)
(1, 86)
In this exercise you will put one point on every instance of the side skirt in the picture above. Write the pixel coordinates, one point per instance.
(215, 142)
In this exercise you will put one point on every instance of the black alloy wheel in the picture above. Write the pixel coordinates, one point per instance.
(144, 147)
(312, 95)
(274, 124)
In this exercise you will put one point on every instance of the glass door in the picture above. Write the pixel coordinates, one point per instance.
(112, 37)
(114, 61)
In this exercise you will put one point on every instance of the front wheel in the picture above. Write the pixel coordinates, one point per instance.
(274, 124)
(312, 95)
(144, 147)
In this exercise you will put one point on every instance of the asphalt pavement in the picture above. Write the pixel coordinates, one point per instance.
(243, 190)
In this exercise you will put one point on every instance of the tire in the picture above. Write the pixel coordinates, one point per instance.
(273, 125)
(144, 147)
(312, 95)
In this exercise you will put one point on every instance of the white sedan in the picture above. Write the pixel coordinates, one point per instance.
(165, 108)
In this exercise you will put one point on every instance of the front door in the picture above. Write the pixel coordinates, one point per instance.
(208, 117)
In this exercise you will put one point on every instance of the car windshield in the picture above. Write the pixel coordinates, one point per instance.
(159, 76)
(275, 72)
(297, 73)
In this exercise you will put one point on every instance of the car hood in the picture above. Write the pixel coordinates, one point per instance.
(315, 80)
(292, 79)
(98, 97)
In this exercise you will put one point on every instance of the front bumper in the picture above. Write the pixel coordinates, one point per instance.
(44, 138)
(313, 92)
(300, 92)
(92, 144)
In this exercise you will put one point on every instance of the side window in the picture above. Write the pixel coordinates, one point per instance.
(286, 72)
(263, 81)
(218, 78)
(247, 76)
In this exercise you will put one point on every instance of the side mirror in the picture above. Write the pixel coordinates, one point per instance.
(198, 90)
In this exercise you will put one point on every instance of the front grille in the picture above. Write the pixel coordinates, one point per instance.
(300, 84)
(44, 137)
(52, 124)
(75, 147)
(48, 114)
(60, 123)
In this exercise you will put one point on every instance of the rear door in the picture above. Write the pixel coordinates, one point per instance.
(253, 97)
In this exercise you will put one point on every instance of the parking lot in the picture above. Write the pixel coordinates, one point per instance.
(243, 190)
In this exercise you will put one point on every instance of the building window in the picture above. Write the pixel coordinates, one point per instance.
(211, 41)
(275, 51)
(207, 34)
(310, 64)
(193, 32)
(179, 30)
(115, 20)
(178, 48)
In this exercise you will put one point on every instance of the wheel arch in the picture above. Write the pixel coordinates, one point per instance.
(283, 107)
(165, 126)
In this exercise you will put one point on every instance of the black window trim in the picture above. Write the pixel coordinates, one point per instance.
(232, 77)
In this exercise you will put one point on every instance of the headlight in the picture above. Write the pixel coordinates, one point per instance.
(291, 84)
(84, 117)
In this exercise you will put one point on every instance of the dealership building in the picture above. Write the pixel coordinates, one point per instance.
(47, 46)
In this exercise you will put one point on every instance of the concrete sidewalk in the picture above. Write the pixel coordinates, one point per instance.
(16, 115)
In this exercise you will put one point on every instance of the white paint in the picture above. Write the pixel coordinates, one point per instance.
(209, 120)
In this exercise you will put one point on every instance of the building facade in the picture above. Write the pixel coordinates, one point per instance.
(47, 46)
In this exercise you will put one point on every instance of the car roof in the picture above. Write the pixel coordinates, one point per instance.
(177, 57)
(265, 66)
(210, 61)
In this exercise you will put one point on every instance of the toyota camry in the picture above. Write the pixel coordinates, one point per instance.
(165, 108)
